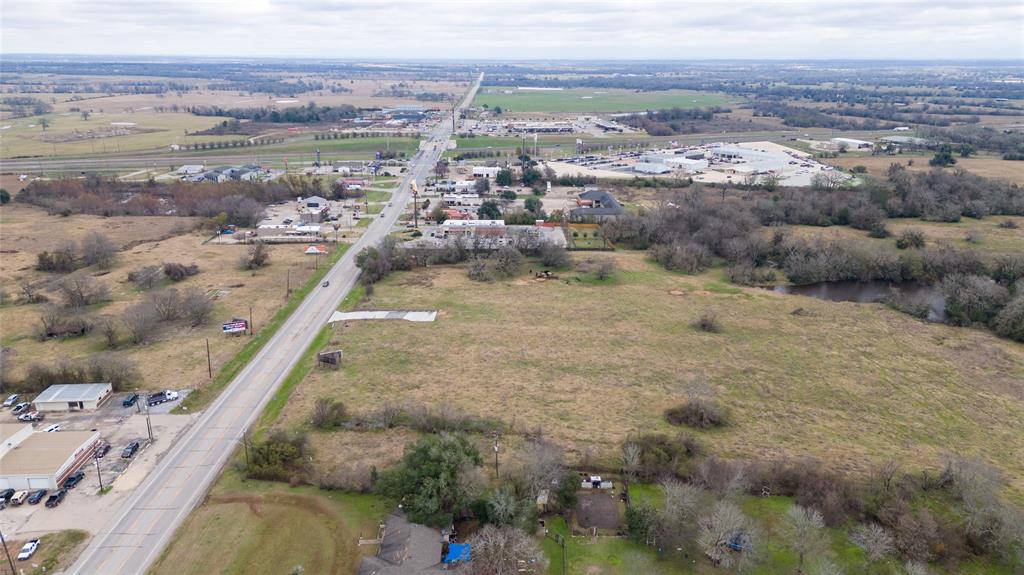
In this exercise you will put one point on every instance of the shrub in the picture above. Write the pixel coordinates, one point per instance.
(508, 262)
(971, 298)
(554, 256)
(59, 323)
(661, 455)
(708, 321)
(98, 250)
(146, 277)
(256, 257)
(690, 257)
(196, 307)
(1008, 268)
(280, 457)
(1008, 225)
(479, 270)
(328, 413)
(1009, 322)
(910, 238)
(749, 275)
(178, 272)
(80, 290)
(697, 413)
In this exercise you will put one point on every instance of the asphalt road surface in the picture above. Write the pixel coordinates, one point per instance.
(139, 531)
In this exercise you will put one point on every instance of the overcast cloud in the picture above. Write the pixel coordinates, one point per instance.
(900, 29)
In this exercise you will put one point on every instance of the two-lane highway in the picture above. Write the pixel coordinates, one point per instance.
(140, 529)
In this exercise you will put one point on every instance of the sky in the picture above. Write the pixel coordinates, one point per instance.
(482, 29)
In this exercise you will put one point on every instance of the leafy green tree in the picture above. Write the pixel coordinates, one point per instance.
(531, 175)
(44, 124)
(431, 480)
(489, 210)
(533, 205)
(508, 195)
(944, 157)
(5, 196)
(504, 178)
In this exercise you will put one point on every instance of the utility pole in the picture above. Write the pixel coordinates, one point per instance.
(288, 283)
(96, 458)
(149, 425)
(209, 362)
(496, 455)
(8, 552)
(252, 328)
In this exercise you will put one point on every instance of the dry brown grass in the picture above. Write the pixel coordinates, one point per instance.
(177, 359)
(984, 165)
(854, 385)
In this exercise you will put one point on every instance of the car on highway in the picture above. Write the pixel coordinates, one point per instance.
(21, 408)
(130, 400)
(56, 499)
(28, 550)
(161, 397)
(11, 400)
(130, 449)
(30, 416)
(52, 428)
(36, 496)
(103, 450)
(325, 284)
(74, 480)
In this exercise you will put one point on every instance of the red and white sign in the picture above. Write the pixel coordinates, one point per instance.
(235, 326)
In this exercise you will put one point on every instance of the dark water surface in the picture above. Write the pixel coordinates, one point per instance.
(871, 292)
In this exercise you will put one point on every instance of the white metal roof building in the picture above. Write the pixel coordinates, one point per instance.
(32, 460)
(688, 164)
(68, 397)
(649, 168)
(851, 143)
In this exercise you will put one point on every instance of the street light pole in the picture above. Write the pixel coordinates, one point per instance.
(96, 458)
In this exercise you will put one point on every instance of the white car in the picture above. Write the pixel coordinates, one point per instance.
(53, 428)
(28, 550)
(11, 400)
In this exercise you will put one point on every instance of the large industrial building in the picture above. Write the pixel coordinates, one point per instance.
(38, 460)
(73, 397)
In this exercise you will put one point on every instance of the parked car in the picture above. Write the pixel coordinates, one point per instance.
(74, 480)
(11, 400)
(5, 495)
(161, 397)
(28, 550)
(103, 450)
(130, 449)
(55, 499)
(36, 496)
(52, 428)
(19, 498)
(21, 408)
(130, 400)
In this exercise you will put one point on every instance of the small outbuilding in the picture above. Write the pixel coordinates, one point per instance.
(73, 396)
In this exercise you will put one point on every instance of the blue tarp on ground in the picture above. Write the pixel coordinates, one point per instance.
(457, 552)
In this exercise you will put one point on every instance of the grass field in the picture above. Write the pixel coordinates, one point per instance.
(329, 149)
(69, 135)
(990, 237)
(593, 100)
(592, 362)
(56, 550)
(262, 528)
(987, 165)
(177, 357)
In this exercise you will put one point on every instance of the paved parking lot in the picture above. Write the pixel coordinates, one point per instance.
(85, 507)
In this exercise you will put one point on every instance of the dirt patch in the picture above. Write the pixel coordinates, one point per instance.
(598, 509)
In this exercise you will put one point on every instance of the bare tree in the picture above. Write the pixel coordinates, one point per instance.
(140, 322)
(678, 521)
(146, 277)
(108, 327)
(804, 531)
(631, 459)
(727, 537)
(544, 464)
(98, 250)
(874, 540)
(257, 256)
(80, 290)
(328, 413)
(196, 307)
(31, 293)
(503, 551)
(167, 304)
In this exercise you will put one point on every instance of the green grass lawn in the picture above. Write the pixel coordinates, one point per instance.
(54, 551)
(593, 100)
(149, 131)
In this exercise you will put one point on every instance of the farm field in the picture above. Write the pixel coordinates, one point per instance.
(256, 528)
(834, 383)
(593, 100)
(349, 147)
(68, 134)
(176, 358)
(988, 166)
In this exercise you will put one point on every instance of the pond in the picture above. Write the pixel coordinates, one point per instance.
(872, 292)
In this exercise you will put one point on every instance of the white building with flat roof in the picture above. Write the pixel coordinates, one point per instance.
(851, 143)
(73, 396)
(687, 164)
(31, 460)
(485, 171)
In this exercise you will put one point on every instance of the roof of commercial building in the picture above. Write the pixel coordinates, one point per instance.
(68, 392)
(45, 453)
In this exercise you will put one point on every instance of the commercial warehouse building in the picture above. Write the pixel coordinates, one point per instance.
(39, 460)
(71, 397)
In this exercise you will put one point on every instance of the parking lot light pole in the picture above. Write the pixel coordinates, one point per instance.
(149, 425)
